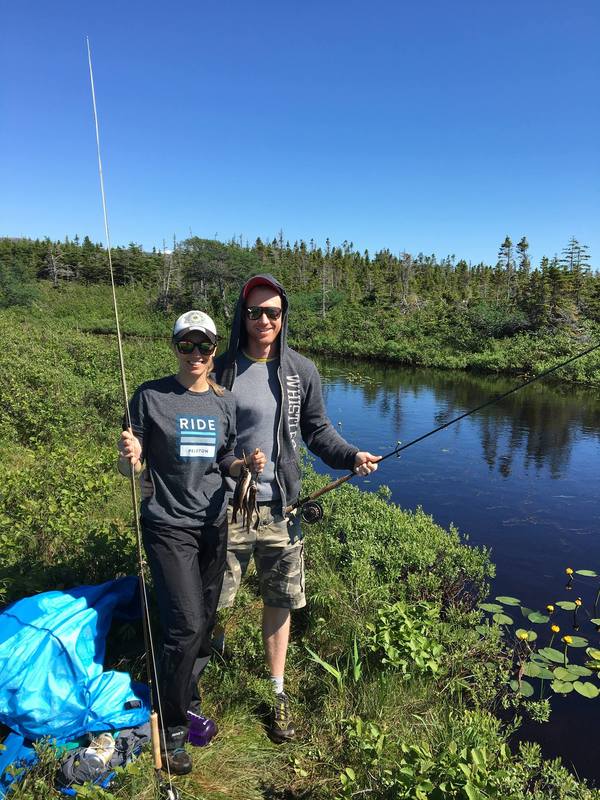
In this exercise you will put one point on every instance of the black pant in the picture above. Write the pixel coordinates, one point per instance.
(187, 569)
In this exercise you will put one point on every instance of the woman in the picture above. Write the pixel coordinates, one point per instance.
(183, 429)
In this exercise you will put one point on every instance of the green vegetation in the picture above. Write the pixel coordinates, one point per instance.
(395, 681)
(413, 310)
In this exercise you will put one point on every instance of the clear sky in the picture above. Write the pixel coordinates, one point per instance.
(429, 126)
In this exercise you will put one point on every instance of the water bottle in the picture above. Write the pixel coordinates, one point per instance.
(94, 759)
(102, 748)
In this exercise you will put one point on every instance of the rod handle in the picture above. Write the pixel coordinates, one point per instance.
(318, 493)
(155, 740)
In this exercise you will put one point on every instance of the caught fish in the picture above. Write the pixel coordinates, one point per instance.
(241, 491)
(250, 508)
(244, 498)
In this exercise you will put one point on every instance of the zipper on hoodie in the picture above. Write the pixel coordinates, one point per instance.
(281, 492)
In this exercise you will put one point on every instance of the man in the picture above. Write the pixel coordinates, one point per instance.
(279, 403)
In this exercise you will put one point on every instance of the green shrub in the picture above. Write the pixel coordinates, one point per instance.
(496, 319)
(405, 640)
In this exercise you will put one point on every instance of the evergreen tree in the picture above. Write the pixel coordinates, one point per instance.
(524, 264)
(575, 261)
(506, 263)
(557, 281)
(535, 301)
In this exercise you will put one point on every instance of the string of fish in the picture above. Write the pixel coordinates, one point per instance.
(245, 498)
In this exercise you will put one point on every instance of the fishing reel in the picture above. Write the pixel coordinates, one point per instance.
(166, 792)
(311, 512)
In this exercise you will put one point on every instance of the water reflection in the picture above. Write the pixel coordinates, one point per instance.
(540, 422)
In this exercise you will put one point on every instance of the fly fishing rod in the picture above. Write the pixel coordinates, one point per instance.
(312, 511)
(166, 791)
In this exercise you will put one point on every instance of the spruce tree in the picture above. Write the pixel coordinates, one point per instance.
(575, 261)
(524, 262)
(506, 263)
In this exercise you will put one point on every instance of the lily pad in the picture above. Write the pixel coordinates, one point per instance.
(545, 674)
(538, 618)
(502, 619)
(508, 601)
(524, 688)
(595, 621)
(566, 605)
(593, 665)
(490, 607)
(482, 629)
(578, 641)
(533, 670)
(526, 611)
(562, 687)
(587, 689)
(593, 653)
(563, 674)
(531, 635)
(581, 672)
(551, 654)
(589, 573)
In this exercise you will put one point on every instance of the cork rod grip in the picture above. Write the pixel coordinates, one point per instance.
(155, 740)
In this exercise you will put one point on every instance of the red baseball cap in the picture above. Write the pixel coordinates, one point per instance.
(259, 280)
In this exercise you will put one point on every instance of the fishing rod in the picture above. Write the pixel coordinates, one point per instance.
(312, 512)
(166, 791)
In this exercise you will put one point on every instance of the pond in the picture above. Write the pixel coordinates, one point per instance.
(519, 477)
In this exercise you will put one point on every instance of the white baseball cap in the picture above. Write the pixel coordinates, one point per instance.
(195, 321)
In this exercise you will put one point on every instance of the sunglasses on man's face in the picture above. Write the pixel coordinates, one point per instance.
(256, 312)
(186, 348)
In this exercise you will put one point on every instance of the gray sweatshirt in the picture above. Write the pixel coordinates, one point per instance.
(302, 415)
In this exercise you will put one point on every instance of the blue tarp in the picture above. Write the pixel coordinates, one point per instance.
(52, 680)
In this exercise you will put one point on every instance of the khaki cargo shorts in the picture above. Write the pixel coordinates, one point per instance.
(278, 552)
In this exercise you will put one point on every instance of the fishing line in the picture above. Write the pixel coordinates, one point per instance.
(172, 792)
(313, 512)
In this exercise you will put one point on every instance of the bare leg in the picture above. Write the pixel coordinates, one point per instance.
(276, 634)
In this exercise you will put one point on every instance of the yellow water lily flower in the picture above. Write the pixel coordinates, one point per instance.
(578, 601)
(523, 635)
(569, 571)
(555, 629)
(567, 639)
(550, 608)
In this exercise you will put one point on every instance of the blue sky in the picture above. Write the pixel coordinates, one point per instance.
(431, 126)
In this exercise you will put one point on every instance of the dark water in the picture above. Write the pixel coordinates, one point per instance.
(520, 477)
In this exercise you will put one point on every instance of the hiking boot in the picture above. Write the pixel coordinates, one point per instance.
(281, 727)
(176, 760)
(202, 730)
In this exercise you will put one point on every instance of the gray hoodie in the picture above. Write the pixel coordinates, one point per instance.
(302, 416)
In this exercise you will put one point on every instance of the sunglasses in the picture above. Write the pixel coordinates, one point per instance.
(186, 348)
(256, 312)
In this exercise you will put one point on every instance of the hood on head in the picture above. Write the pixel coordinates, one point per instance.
(238, 329)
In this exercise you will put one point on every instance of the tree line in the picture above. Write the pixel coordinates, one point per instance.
(501, 299)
